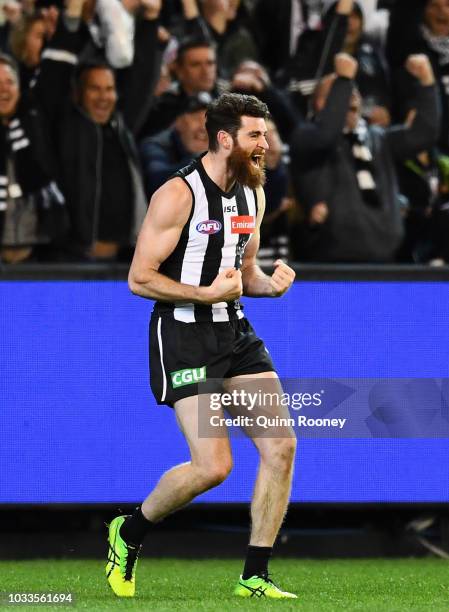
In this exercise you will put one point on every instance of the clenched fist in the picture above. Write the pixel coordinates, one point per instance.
(345, 65)
(282, 278)
(226, 287)
(420, 67)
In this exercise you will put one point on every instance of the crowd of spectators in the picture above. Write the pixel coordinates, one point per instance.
(101, 101)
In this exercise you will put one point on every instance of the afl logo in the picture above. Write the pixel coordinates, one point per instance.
(208, 227)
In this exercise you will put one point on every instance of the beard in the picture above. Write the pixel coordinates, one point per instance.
(242, 169)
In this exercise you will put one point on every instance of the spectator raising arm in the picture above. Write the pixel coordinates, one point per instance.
(136, 84)
(407, 141)
(118, 28)
(60, 58)
(194, 24)
(333, 36)
(312, 141)
(403, 32)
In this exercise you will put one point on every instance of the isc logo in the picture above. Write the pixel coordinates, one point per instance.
(243, 224)
(230, 208)
(208, 227)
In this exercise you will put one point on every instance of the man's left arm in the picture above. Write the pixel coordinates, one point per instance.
(255, 282)
(408, 140)
(136, 83)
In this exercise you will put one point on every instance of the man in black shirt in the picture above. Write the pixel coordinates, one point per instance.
(344, 172)
(96, 158)
(116, 195)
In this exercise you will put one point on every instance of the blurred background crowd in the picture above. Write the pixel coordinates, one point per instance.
(101, 101)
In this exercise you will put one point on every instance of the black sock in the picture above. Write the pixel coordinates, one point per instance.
(135, 528)
(256, 563)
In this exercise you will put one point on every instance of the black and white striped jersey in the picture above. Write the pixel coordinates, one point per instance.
(213, 239)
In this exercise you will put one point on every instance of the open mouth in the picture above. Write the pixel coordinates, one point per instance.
(256, 160)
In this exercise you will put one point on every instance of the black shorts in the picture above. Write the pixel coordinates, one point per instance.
(183, 355)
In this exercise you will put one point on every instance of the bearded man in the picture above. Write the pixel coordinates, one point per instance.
(196, 256)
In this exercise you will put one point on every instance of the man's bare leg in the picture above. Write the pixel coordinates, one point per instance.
(272, 490)
(273, 484)
(277, 454)
(210, 464)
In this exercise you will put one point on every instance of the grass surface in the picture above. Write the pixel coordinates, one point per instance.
(368, 585)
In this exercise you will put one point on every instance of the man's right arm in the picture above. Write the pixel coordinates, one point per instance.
(167, 214)
(59, 60)
(332, 118)
(311, 142)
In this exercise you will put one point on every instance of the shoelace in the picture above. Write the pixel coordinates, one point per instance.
(259, 591)
(131, 559)
(267, 578)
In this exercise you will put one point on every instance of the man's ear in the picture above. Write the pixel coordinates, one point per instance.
(225, 140)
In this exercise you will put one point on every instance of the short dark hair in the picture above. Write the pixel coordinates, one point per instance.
(225, 113)
(85, 67)
(192, 42)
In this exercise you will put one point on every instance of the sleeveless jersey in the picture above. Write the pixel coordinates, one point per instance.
(213, 239)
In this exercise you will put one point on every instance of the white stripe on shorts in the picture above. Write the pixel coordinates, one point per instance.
(161, 355)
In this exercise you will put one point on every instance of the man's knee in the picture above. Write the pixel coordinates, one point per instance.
(214, 472)
(279, 453)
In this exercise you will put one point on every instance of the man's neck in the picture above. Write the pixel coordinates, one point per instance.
(216, 168)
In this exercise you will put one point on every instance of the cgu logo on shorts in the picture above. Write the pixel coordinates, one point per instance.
(208, 227)
(243, 224)
(180, 378)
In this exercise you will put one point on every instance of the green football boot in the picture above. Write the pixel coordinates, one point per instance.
(122, 561)
(261, 586)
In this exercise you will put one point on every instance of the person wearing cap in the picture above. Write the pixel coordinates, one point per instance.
(164, 154)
